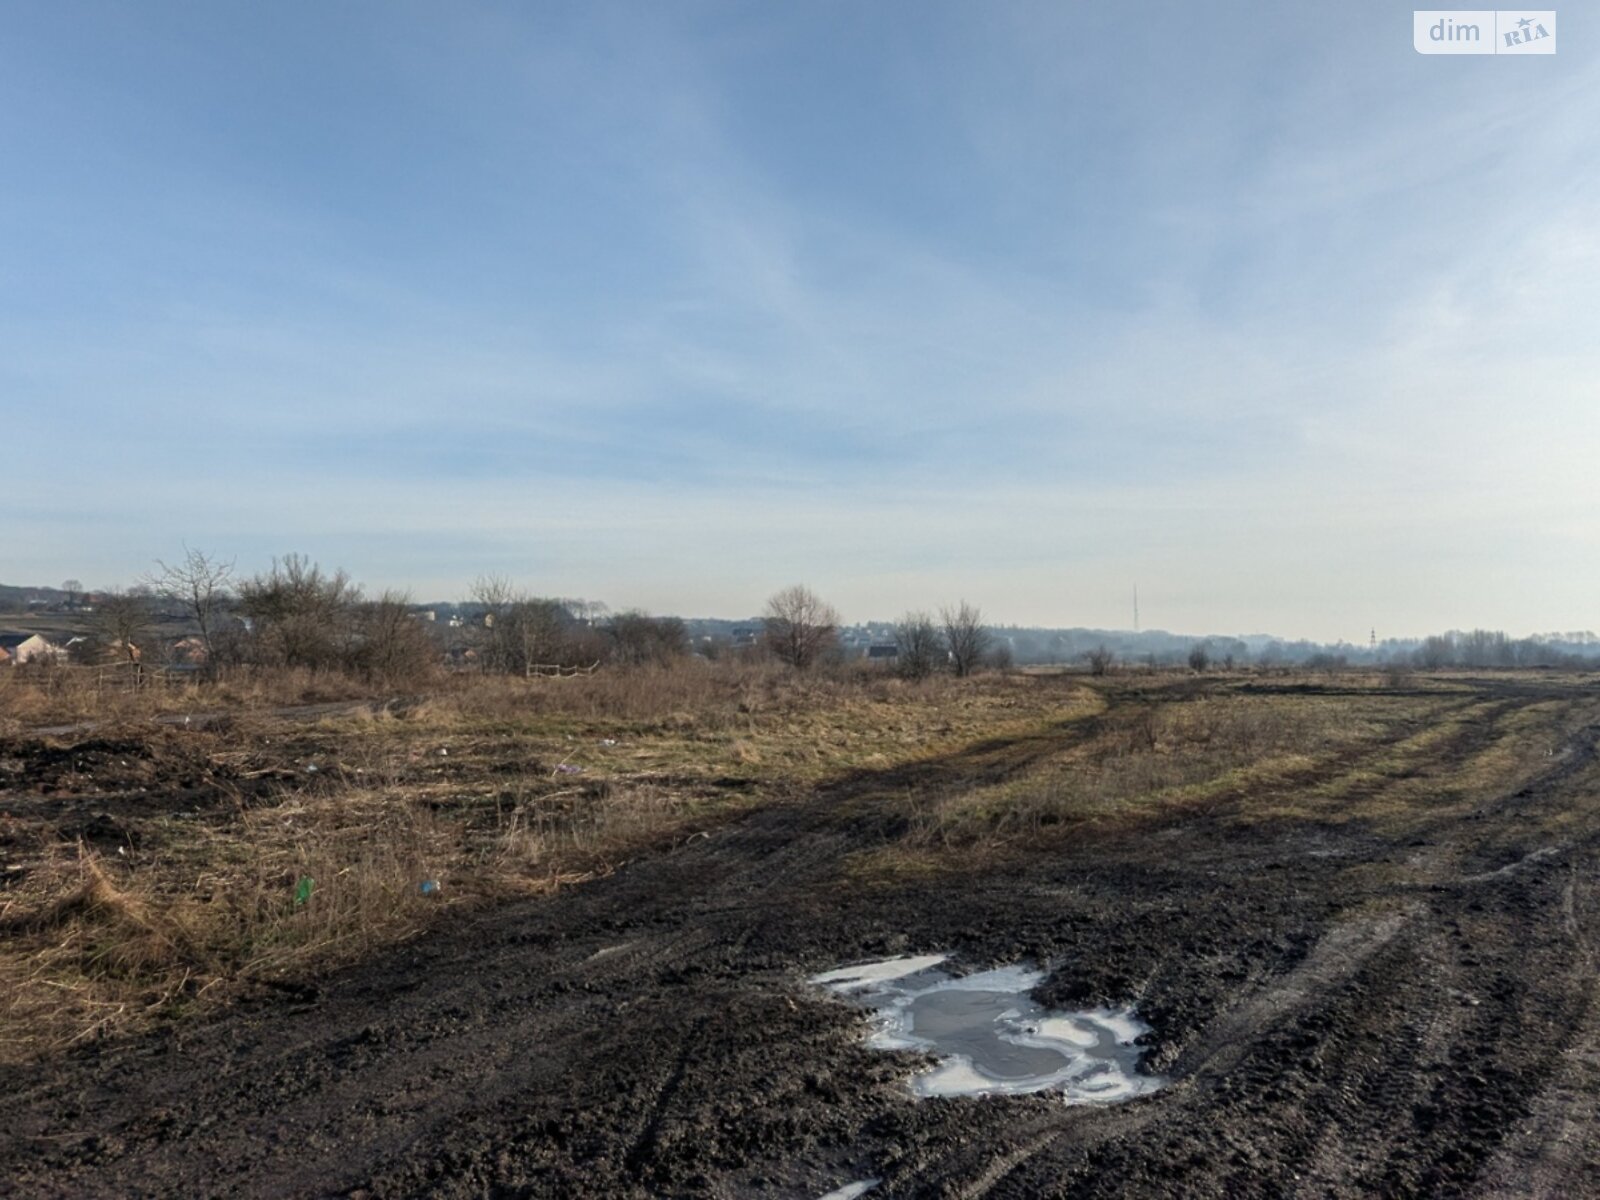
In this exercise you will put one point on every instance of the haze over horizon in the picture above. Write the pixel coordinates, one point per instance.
(672, 306)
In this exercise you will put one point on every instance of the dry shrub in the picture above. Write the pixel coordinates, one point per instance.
(1399, 675)
(367, 855)
(50, 695)
(95, 943)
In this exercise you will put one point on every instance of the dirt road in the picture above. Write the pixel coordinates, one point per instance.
(1380, 981)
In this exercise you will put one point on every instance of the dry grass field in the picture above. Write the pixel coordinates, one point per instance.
(154, 865)
(549, 937)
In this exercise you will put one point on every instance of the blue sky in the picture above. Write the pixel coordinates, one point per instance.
(671, 305)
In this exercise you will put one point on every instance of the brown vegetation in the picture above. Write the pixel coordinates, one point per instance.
(301, 819)
(965, 637)
(151, 865)
(800, 627)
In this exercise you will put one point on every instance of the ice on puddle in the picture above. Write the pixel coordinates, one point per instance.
(1126, 1028)
(850, 979)
(1068, 1029)
(851, 1190)
(990, 1036)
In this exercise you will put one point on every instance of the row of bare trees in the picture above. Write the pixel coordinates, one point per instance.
(293, 615)
(297, 614)
(801, 629)
(958, 641)
(521, 634)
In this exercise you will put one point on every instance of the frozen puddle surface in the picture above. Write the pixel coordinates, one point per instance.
(990, 1037)
(851, 1191)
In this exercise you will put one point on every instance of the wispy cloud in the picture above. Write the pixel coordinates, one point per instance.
(675, 306)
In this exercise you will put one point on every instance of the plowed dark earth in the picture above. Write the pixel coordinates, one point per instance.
(1401, 1004)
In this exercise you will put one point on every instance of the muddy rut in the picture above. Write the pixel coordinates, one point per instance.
(1398, 1002)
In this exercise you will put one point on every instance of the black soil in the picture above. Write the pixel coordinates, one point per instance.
(1344, 1012)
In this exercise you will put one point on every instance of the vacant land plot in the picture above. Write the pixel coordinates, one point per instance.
(154, 866)
(1359, 916)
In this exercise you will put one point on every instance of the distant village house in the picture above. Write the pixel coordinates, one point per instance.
(189, 651)
(22, 648)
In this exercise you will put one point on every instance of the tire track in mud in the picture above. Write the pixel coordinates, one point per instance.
(1453, 1010)
(639, 1155)
(423, 1035)
(1332, 1032)
(1370, 1109)
(1340, 952)
(1555, 1152)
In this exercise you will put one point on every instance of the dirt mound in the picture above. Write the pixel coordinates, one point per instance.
(107, 765)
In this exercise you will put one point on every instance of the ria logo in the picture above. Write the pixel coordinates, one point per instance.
(1528, 31)
(1483, 31)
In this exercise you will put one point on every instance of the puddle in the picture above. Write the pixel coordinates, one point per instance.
(990, 1037)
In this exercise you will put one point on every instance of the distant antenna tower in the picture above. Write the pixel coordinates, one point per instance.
(1374, 642)
(1136, 608)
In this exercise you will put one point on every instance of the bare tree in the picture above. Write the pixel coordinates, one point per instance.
(964, 637)
(540, 630)
(588, 611)
(303, 617)
(637, 638)
(521, 632)
(916, 638)
(1101, 660)
(393, 644)
(495, 595)
(124, 619)
(74, 591)
(1199, 657)
(800, 626)
(493, 591)
(1436, 652)
(1485, 648)
(201, 583)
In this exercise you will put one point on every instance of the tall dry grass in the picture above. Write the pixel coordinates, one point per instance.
(1152, 751)
(718, 695)
(494, 788)
(64, 695)
(718, 692)
(93, 942)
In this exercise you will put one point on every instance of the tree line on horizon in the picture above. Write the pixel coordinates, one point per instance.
(296, 614)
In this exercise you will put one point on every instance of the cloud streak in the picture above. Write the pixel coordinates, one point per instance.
(676, 306)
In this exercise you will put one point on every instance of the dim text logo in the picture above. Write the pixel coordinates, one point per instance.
(1483, 31)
